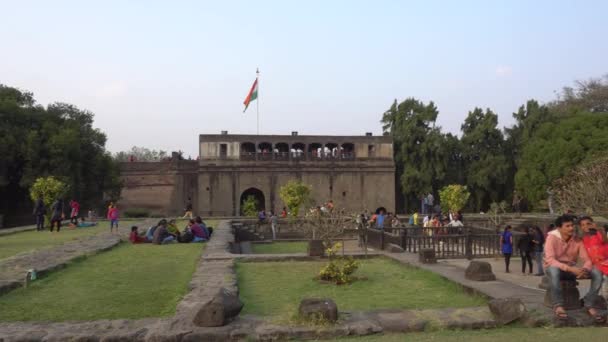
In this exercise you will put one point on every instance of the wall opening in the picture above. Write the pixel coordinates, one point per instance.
(257, 194)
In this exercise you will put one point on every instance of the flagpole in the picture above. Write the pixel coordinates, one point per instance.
(257, 77)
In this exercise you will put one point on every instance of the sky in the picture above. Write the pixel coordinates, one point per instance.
(159, 73)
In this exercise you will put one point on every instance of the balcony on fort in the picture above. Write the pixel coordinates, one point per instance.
(295, 148)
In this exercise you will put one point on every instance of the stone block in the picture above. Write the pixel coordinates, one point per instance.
(507, 310)
(319, 307)
(395, 248)
(479, 271)
(427, 256)
(316, 248)
(570, 294)
(218, 310)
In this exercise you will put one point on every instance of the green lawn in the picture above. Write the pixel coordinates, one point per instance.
(276, 288)
(589, 334)
(280, 247)
(130, 281)
(31, 240)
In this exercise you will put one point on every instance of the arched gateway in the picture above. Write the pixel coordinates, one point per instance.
(257, 194)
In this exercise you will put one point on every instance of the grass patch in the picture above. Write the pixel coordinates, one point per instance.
(33, 240)
(494, 335)
(130, 281)
(280, 247)
(276, 288)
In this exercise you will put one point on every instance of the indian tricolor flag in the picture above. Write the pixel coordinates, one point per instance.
(253, 94)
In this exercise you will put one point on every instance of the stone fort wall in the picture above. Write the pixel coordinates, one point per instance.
(357, 173)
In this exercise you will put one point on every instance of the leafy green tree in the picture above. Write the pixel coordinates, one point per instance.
(141, 154)
(558, 147)
(58, 140)
(421, 156)
(485, 164)
(454, 197)
(49, 189)
(250, 206)
(295, 194)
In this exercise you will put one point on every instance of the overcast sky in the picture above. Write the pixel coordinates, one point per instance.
(157, 74)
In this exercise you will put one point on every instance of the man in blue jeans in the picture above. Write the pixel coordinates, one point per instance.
(562, 252)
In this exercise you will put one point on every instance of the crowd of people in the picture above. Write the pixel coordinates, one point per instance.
(166, 232)
(562, 254)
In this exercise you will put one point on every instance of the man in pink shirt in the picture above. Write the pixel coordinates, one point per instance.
(562, 252)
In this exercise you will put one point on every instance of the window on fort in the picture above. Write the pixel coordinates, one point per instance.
(371, 151)
(223, 150)
(248, 151)
(330, 150)
(281, 151)
(347, 151)
(264, 151)
(315, 150)
(297, 151)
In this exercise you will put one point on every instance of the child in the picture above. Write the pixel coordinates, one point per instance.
(134, 236)
(113, 217)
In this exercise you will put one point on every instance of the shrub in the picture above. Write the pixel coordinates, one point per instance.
(250, 206)
(136, 212)
(339, 270)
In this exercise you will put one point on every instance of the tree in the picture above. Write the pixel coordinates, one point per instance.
(295, 194)
(141, 154)
(49, 189)
(584, 189)
(558, 147)
(486, 166)
(250, 206)
(586, 96)
(420, 152)
(58, 140)
(454, 197)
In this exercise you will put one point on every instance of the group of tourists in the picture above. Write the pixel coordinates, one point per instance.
(166, 232)
(530, 246)
(563, 252)
(57, 216)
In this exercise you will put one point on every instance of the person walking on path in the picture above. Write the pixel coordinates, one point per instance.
(74, 213)
(39, 212)
(539, 241)
(563, 253)
(506, 243)
(113, 217)
(57, 214)
(274, 222)
(525, 247)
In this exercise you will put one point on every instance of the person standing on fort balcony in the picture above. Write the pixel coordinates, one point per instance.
(188, 209)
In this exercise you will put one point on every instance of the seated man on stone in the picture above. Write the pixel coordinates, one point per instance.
(563, 251)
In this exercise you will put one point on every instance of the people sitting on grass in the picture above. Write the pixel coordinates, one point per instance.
(563, 251)
(82, 223)
(198, 232)
(208, 230)
(162, 235)
(150, 233)
(134, 237)
(172, 228)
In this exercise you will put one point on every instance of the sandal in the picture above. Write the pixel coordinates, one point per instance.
(597, 316)
(560, 313)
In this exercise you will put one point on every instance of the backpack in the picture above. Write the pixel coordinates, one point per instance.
(186, 237)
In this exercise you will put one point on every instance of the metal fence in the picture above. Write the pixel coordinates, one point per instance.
(448, 242)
